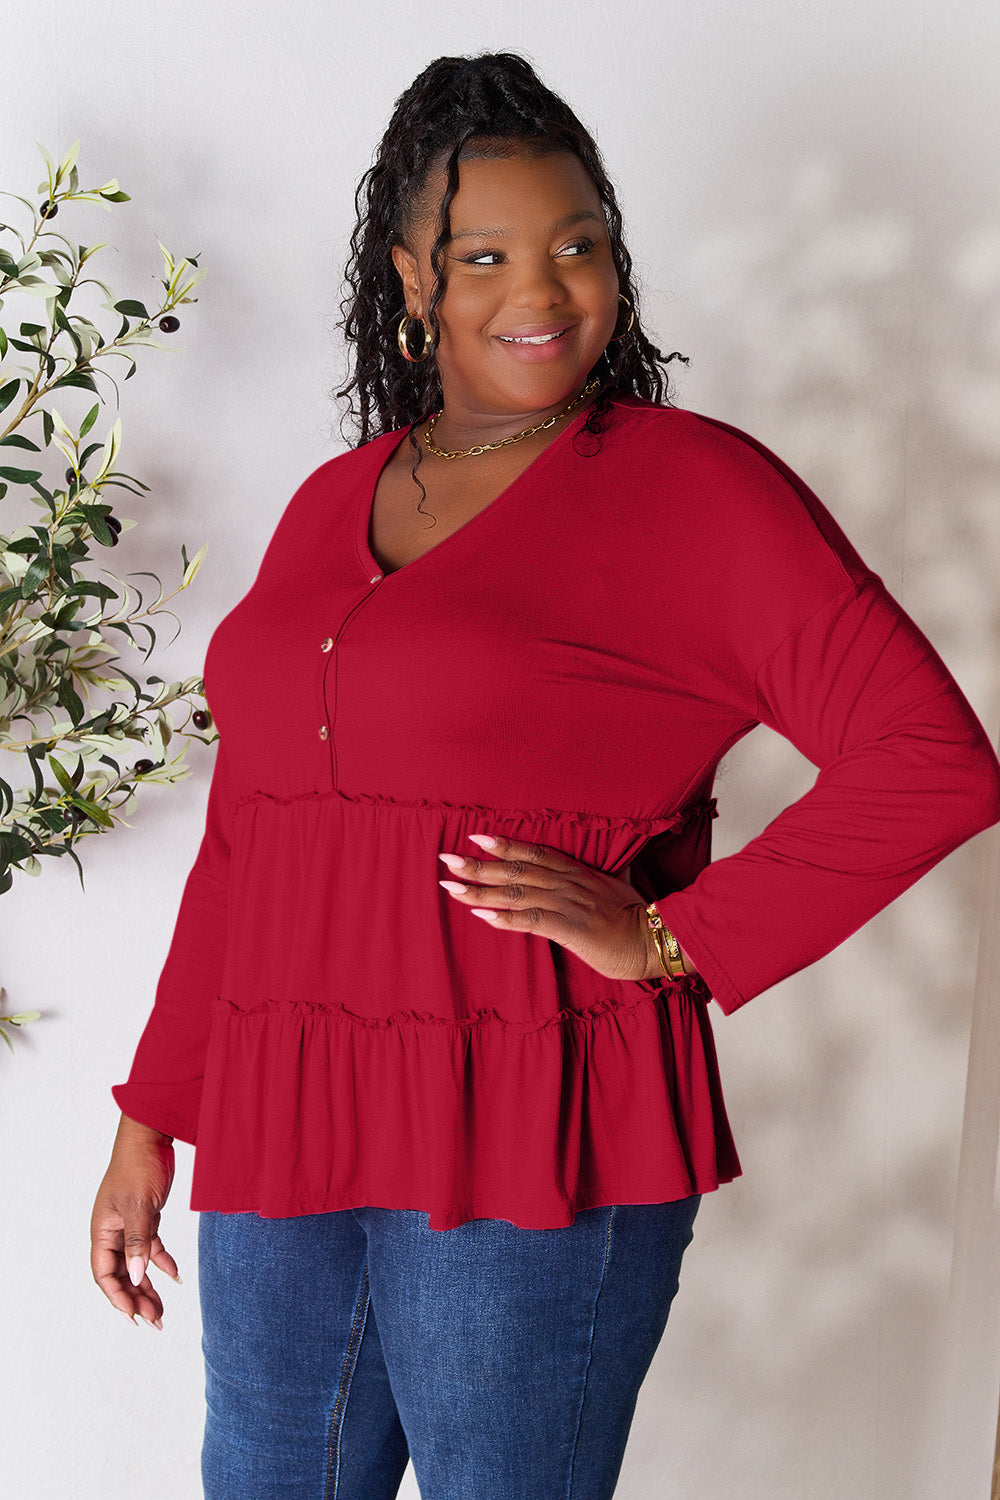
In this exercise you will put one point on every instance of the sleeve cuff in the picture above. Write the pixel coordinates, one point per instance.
(720, 986)
(170, 1108)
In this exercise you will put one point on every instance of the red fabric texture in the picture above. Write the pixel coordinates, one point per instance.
(331, 1029)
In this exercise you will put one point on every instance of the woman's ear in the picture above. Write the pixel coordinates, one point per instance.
(406, 264)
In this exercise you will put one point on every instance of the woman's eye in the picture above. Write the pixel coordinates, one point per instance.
(579, 246)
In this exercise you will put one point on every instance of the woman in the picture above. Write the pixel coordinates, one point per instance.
(436, 1006)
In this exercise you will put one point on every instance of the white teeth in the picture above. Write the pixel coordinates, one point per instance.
(542, 338)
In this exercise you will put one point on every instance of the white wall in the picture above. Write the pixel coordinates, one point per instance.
(812, 201)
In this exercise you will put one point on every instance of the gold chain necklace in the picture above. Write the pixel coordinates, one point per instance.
(588, 390)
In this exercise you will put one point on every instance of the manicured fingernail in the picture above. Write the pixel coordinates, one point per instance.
(130, 1316)
(178, 1280)
(483, 911)
(453, 885)
(485, 840)
(453, 861)
(149, 1321)
(136, 1269)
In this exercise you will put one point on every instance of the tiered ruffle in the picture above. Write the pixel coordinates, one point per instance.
(374, 1043)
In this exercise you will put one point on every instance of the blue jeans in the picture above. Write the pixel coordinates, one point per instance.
(506, 1362)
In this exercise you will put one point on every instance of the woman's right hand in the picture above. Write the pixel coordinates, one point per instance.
(126, 1217)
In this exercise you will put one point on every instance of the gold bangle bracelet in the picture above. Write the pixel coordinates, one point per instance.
(667, 947)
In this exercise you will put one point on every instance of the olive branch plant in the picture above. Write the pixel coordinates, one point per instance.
(63, 617)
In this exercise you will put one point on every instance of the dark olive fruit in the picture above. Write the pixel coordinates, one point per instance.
(70, 476)
(169, 324)
(142, 766)
(114, 523)
(48, 210)
(200, 719)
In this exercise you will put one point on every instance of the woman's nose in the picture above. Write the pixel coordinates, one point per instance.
(537, 286)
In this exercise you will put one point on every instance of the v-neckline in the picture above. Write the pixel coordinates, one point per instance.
(367, 502)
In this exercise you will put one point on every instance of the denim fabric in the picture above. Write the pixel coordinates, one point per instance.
(505, 1361)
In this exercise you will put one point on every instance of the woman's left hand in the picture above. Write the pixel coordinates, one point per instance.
(531, 888)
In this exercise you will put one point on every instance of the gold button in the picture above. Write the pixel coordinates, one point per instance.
(323, 731)
(327, 644)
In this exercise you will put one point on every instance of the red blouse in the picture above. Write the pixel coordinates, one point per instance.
(331, 1029)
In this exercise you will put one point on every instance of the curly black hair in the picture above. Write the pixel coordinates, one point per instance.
(492, 104)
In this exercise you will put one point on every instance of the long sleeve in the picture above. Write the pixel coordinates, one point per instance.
(906, 774)
(164, 1085)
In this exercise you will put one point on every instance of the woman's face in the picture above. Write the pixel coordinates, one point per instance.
(530, 255)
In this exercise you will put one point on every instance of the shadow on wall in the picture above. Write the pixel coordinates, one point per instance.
(862, 349)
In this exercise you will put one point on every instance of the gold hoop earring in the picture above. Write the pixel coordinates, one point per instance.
(631, 319)
(401, 340)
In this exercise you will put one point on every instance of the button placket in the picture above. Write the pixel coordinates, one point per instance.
(326, 646)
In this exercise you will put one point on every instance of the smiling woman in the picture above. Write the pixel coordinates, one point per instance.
(522, 320)
(436, 1009)
(534, 277)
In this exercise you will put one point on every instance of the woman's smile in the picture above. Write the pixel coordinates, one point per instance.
(535, 348)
